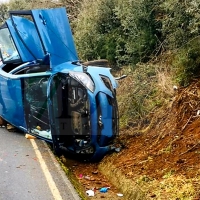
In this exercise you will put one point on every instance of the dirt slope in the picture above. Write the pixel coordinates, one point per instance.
(172, 144)
(164, 162)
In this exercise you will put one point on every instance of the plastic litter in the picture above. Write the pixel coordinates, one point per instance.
(104, 189)
(120, 195)
(80, 175)
(90, 193)
(10, 127)
(87, 177)
(175, 87)
(117, 149)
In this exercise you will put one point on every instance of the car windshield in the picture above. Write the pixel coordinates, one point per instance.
(7, 46)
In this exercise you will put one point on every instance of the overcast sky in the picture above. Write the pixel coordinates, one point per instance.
(3, 1)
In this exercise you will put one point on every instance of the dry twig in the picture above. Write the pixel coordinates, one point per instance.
(190, 148)
(186, 123)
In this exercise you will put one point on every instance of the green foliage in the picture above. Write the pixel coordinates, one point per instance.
(180, 23)
(72, 6)
(3, 13)
(120, 31)
(187, 62)
(19, 5)
(138, 96)
(180, 30)
(95, 33)
(128, 32)
(140, 30)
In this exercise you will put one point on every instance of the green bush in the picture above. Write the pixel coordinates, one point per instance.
(3, 13)
(121, 31)
(128, 32)
(94, 31)
(180, 22)
(138, 96)
(140, 29)
(187, 62)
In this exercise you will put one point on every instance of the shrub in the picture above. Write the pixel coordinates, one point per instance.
(187, 62)
(120, 31)
(140, 29)
(94, 31)
(138, 96)
(180, 22)
(3, 13)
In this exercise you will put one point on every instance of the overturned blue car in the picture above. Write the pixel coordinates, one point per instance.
(47, 92)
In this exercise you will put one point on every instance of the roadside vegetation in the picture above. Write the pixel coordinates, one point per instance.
(156, 43)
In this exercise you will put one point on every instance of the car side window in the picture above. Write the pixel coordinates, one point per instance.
(7, 46)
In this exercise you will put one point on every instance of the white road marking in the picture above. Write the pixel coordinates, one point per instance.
(54, 190)
(62, 174)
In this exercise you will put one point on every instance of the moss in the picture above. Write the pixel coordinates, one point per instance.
(79, 188)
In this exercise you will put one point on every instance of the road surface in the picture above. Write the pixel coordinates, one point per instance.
(28, 170)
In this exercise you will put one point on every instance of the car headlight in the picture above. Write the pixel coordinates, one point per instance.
(84, 79)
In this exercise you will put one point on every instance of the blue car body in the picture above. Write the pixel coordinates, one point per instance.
(46, 92)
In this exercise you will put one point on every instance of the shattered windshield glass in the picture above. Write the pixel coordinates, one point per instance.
(7, 46)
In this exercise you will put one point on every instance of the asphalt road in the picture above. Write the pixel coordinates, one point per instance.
(28, 170)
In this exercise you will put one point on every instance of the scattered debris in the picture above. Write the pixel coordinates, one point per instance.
(10, 128)
(87, 177)
(153, 196)
(38, 128)
(117, 149)
(90, 193)
(28, 136)
(104, 189)
(175, 87)
(81, 176)
(120, 195)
